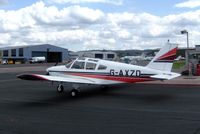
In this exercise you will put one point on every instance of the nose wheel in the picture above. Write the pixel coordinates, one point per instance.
(60, 88)
(74, 93)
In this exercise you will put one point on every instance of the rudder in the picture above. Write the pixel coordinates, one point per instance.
(164, 58)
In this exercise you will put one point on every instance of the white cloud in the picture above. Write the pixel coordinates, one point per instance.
(40, 14)
(79, 28)
(188, 4)
(155, 30)
(124, 34)
(69, 16)
(184, 19)
(99, 43)
(4, 38)
(114, 2)
(3, 2)
(86, 15)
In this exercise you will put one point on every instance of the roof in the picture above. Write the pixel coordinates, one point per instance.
(99, 51)
(24, 46)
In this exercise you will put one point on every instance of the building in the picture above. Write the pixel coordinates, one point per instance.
(24, 53)
(193, 59)
(106, 55)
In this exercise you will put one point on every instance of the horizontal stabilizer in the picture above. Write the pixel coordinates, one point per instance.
(166, 76)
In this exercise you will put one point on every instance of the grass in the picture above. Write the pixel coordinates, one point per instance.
(178, 64)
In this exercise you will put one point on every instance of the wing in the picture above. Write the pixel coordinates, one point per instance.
(38, 77)
(166, 76)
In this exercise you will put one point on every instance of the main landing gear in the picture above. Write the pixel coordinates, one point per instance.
(74, 92)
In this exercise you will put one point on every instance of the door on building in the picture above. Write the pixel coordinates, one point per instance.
(54, 57)
(50, 56)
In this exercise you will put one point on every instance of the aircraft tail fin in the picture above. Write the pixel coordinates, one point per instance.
(164, 58)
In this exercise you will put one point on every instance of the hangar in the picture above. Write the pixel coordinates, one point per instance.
(24, 53)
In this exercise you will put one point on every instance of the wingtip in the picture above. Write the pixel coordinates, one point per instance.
(23, 76)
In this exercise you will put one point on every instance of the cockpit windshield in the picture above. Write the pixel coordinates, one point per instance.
(83, 63)
(68, 65)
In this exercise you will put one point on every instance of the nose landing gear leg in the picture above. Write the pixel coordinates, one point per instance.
(75, 91)
(60, 88)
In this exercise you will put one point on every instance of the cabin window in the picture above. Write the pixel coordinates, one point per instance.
(78, 65)
(102, 67)
(90, 66)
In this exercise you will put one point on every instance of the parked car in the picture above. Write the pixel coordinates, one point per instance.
(4, 61)
(37, 60)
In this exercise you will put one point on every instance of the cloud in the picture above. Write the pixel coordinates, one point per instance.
(184, 19)
(69, 16)
(188, 4)
(3, 2)
(80, 28)
(40, 14)
(5, 38)
(114, 2)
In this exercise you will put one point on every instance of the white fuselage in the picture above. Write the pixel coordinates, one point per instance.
(111, 73)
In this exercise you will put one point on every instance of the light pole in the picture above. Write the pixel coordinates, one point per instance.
(187, 51)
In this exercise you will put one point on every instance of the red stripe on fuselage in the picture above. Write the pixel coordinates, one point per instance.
(113, 78)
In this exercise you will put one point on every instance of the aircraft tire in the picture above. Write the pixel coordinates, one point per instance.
(60, 88)
(74, 93)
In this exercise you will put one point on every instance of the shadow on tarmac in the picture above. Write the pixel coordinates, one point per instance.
(113, 92)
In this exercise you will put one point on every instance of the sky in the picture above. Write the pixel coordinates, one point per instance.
(99, 24)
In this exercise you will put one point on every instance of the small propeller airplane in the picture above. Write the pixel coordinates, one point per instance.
(103, 72)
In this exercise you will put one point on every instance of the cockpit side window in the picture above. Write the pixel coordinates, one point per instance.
(90, 66)
(102, 67)
(78, 65)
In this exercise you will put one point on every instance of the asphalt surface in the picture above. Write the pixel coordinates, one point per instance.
(28, 107)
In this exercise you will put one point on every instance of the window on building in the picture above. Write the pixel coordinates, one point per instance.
(5, 53)
(100, 56)
(78, 65)
(13, 52)
(110, 56)
(90, 66)
(102, 67)
(21, 52)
